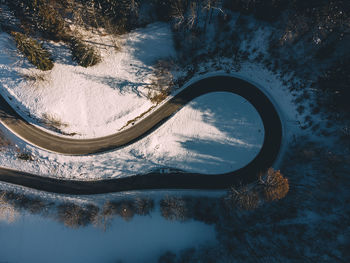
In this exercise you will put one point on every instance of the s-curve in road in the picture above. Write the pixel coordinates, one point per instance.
(69, 146)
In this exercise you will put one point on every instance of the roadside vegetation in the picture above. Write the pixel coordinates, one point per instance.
(163, 81)
(74, 215)
(277, 229)
(7, 145)
(4, 142)
(299, 219)
(272, 186)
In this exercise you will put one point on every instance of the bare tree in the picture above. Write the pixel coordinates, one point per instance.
(244, 198)
(7, 212)
(173, 208)
(209, 6)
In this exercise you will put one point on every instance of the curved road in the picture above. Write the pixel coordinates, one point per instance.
(176, 180)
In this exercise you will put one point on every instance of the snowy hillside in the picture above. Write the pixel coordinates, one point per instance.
(87, 102)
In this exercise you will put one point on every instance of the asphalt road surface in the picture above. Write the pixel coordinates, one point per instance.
(174, 180)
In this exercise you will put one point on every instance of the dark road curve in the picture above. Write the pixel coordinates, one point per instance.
(174, 180)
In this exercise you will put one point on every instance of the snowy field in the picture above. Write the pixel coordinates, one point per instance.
(88, 102)
(215, 133)
(150, 236)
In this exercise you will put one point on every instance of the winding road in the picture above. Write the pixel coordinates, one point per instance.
(175, 180)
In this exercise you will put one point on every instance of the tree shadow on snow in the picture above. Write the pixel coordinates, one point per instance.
(123, 85)
(151, 43)
(237, 146)
(60, 53)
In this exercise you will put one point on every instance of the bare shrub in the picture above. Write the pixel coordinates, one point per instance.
(173, 208)
(75, 216)
(4, 142)
(106, 215)
(25, 156)
(125, 209)
(270, 187)
(108, 209)
(53, 121)
(36, 77)
(204, 209)
(162, 82)
(275, 186)
(143, 206)
(22, 201)
(7, 211)
(157, 97)
(243, 198)
(36, 206)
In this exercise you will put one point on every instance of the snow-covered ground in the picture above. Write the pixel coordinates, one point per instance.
(150, 235)
(197, 139)
(88, 102)
(215, 133)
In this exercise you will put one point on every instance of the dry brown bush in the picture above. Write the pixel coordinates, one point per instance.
(36, 77)
(157, 97)
(271, 187)
(275, 186)
(53, 121)
(162, 83)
